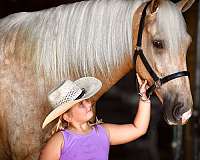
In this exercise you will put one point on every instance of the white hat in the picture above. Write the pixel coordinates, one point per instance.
(69, 93)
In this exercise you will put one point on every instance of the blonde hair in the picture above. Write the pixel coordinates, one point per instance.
(63, 124)
(60, 125)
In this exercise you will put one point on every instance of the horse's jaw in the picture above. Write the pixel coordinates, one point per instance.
(159, 97)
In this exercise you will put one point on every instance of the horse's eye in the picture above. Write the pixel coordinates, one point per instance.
(158, 44)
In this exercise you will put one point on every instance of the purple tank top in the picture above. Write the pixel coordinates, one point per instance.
(92, 146)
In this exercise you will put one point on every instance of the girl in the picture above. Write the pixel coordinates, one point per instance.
(75, 137)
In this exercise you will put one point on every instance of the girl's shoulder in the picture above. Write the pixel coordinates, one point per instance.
(105, 125)
(57, 136)
(57, 139)
(52, 147)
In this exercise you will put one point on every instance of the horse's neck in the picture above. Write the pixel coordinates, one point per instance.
(116, 75)
(116, 72)
(127, 65)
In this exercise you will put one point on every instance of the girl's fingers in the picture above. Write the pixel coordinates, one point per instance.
(142, 84)
(145, 82)
(139, 79)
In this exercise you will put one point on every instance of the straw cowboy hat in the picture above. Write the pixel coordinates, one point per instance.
(69, 93)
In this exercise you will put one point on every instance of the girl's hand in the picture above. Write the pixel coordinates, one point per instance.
(142, 88)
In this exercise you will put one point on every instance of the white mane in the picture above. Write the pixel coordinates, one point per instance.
(76, 39)
(80, 39)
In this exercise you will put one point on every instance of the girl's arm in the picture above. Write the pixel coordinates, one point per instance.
(120, 134)
(53, 148)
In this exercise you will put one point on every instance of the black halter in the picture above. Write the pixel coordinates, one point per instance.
(158, 82)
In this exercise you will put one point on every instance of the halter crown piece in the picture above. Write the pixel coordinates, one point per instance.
(158, 82)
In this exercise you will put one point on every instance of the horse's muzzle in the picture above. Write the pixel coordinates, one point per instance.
(176, 109)
(181, 114)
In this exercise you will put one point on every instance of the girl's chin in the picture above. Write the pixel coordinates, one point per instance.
(90, 115)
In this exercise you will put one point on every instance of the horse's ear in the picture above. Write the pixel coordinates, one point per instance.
(154, 6)
(184, 5)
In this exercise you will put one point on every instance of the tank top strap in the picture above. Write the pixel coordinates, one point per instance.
(101, 131)
(100, 127)
(65, 140)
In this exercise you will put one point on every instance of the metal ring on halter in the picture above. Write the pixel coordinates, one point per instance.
(138, 48)
(158, 83)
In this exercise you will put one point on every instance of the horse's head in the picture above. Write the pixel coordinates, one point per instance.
(165, 42)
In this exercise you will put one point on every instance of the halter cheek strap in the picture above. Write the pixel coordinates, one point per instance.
(158, 82)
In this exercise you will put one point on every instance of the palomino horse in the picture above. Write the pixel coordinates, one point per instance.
(93, 38)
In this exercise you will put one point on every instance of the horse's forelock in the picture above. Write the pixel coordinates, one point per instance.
(172, 26)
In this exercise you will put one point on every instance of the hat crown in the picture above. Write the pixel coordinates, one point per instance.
(65, 92)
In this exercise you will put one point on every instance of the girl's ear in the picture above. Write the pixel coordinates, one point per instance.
(67, 117)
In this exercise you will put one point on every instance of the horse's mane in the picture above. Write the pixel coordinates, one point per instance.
(82, 38)
(77, 39)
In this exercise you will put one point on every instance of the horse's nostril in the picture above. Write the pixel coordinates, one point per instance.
(181, 114)
(178, 111)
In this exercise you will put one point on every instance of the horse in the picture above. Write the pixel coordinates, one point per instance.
(92, 38)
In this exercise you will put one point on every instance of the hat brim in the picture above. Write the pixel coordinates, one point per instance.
(91, 86)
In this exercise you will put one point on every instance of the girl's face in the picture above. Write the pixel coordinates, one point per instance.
(81, 112)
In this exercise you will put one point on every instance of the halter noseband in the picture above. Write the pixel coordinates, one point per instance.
(158, 82)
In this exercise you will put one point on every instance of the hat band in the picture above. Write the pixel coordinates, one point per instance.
(67, 99)
(82, 93)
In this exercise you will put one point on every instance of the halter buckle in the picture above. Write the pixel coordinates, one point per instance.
(157, 83)
(137, 48)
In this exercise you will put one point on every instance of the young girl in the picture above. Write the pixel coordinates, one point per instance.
(75, 137)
